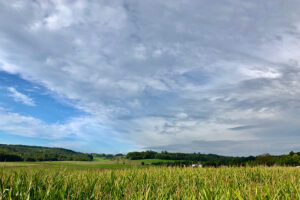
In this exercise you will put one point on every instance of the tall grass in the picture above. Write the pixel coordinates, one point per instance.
(151, 183)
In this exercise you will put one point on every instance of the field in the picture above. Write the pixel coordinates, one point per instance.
(111, 180)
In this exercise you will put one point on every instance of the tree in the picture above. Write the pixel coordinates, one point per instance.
(265, 159)
(289, 160)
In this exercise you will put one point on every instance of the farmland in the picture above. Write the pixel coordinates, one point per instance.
(111, 180)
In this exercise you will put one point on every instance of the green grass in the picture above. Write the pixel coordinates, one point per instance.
(68, 165)
(80, 180)
(102, 159)
(154, 160)
(146, 161)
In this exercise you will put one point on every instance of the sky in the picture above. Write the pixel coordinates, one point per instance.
(203, 76)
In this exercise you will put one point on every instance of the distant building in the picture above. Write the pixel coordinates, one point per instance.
(196, 165)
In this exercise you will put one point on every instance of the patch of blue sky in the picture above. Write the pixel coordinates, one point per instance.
(197, 77)
(17, 139)
(69, 143)
(47, 107)
(106, 147)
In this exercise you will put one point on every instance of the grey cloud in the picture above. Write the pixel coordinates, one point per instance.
(237, 128)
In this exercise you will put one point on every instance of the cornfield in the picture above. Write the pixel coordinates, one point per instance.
(151, 183)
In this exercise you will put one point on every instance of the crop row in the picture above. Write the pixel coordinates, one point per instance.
(151, 183)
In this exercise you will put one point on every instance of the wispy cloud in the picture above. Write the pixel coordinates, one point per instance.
(78, 129)
(20, 97)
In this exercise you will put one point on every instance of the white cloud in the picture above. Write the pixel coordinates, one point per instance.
(80, 128)
(14, 123)
(69, 144)
(181, 115)
(20, 97)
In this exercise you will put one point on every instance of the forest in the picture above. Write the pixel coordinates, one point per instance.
(36, 153)
(291, 159)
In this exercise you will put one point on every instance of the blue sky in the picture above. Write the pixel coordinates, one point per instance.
(117, 76)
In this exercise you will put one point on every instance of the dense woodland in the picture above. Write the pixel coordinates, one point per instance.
(108, 156)
(35, 153)
(291, 159)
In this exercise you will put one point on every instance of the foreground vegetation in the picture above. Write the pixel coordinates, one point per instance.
(68, 182)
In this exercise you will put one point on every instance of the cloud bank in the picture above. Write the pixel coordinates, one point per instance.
(208, 76)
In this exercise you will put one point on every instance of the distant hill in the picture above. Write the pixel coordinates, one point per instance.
(37, 153)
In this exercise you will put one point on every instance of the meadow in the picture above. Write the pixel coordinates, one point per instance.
(111, 180)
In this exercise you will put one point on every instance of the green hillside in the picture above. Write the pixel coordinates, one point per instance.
(36, 153)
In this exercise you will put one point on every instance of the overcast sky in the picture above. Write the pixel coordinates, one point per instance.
(204, 76)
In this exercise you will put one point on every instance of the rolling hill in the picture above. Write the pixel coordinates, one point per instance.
(37, 153)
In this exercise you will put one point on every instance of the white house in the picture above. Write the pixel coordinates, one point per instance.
(196, 165)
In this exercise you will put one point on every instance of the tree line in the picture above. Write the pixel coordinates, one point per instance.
(180, 159)
(35, 153)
